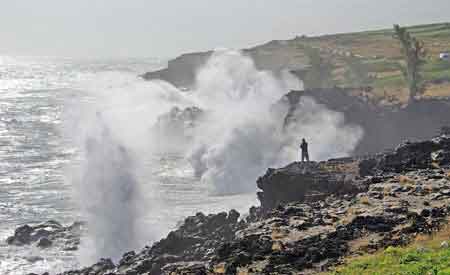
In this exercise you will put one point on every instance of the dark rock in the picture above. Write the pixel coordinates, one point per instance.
(186, 268)
(304, 182)
(101, 266)
(46, 234)
(312, 216)
(44, 242)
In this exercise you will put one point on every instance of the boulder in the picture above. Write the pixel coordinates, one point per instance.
(309, 181)
(46, 234)
(44, 243)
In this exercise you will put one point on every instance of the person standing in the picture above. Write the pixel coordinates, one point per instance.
(304, 148)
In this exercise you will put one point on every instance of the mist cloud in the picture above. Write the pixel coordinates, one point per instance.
(240, 135)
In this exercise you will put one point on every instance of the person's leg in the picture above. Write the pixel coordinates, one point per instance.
(303, 156)
(307, 156)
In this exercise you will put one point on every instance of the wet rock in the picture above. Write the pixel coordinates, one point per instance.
(101, 266)
(46, 234)
(184, 251)
(34, 259)
(44, 243)
(186, 268)
(312, 216)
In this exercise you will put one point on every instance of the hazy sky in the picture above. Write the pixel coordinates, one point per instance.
(165, 28)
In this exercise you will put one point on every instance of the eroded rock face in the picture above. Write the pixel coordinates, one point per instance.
(305, 233)
(46, 234)
(384, 126)
(309, 181)
(302, 238)
(189, 247)
(180, 71)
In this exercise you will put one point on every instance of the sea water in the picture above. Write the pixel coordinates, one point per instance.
(37, 157)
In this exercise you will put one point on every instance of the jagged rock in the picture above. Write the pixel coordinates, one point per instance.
(193, 243)
(186, 268)
(304, 181)
(311, 219)
(410, 156)
(46, 234)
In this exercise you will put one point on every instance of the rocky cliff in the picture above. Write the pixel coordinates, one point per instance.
(384, 126)
(310, 181)
(363, 59)
(312, 216)
(275, 56)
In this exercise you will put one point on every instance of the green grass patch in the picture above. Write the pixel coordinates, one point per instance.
(399, 261)
(424, 256)
(436, 75)
(436, 66)
(382, 66)
(390, 81)
(428, 28)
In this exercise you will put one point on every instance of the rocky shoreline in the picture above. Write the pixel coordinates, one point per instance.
(48, 234)
(311, 217)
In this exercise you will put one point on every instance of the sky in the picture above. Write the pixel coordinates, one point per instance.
(166, 28)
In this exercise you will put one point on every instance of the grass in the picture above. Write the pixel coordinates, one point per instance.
(402, 261)
(424, 256)
(390, 81)
(435, 75)
(374, 59)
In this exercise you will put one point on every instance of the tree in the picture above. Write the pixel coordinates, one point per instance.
(414, 53)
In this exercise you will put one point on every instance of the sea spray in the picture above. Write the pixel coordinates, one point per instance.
(240, 135)
(110, 126)
(108, 195)
(245, 135)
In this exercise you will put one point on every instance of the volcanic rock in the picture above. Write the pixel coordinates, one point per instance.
(311, 218)
(46, 234)
(309, 181)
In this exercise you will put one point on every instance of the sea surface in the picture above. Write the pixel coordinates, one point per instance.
(36, 155)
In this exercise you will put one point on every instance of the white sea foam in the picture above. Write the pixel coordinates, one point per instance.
(241, 136)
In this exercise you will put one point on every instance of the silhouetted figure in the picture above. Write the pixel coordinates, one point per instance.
(305, 154)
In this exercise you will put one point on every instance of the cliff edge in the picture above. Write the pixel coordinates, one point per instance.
(312, 216)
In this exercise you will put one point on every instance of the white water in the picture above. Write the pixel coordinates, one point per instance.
(76, 143)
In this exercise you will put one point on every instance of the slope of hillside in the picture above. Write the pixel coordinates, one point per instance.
(364, 59)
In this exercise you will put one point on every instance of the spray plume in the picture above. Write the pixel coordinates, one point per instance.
(240, 135)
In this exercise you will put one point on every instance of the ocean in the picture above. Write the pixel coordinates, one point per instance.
(40, 158)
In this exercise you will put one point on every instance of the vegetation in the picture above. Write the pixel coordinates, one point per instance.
(357, 73)
(320, 73)
(414, 53)
(402, 261)
(376, 59)
(429, 254)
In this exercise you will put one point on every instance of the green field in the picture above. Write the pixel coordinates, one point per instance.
(399, 261)
(426, 255)
(374, 59)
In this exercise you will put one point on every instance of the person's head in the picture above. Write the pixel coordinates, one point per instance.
(303, 140)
